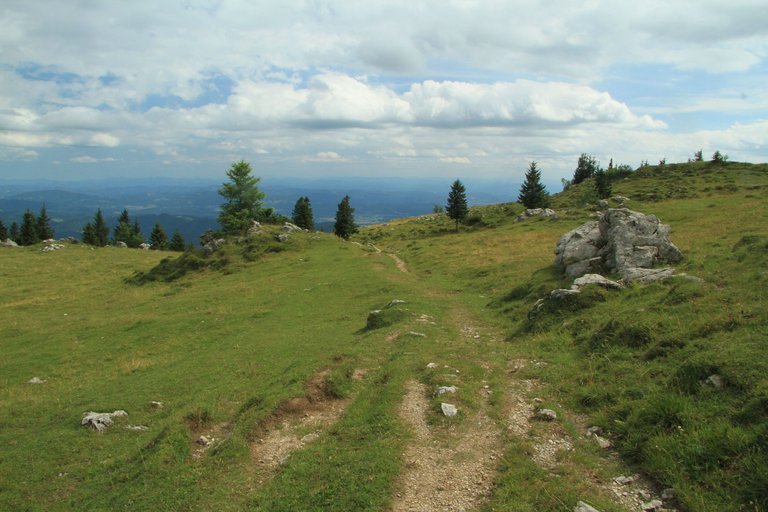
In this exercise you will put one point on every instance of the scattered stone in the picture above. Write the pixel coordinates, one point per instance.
(395, 302)
(145, 246)
(100, 421)
(562, 293)
(155, 404)
(602, 442)
(290, 228)
(283, 237)
(596, 279)
(417, 334)
(652, 505)
(204, 441)
(583, 507)
(446, 389)
(310, 438)
(36, 380)
(255, 229)
(545, 415)
(595, 430)
(625, 480)
(137, 428)
(602, 204)
(449, 409)
(8, 243)
(716, 381)
(211, 246)
(620, 200)
(432, 365)
(51, 246)
(121, 245)
(537, 212)
(668, 494)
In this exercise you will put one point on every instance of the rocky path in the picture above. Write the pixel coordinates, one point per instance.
(451, 472)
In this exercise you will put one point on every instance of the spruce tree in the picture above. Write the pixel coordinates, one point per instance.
(3, 231)
(158, 239)
(302, 214)
(13, 233)
(586, 168)
(177, 242)
(28, 232)
(100, 229)
(345, 220)
(456, 207)
(243, 199)
(137, 238)
(602, 184)
(123, 232)
(89, 235)
(532, 193)
(43, 225)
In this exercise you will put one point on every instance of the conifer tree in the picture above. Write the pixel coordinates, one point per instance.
(302, 214)
(127, 232)
(602, 184)
(345, 220)
(243, 199)
(89, 235)
(586, 168)
(158, 239)
(13, 233)
(43, 225)
(100, 229)
(177, 242)
(28, 232)
(3, 231)
(533, 194)
(456, 207)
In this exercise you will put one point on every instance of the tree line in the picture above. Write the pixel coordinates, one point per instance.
(33, 229)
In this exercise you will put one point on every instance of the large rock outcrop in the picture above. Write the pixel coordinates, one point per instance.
(621, 242)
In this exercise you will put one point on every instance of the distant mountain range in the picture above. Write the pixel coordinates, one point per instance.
(191, 206)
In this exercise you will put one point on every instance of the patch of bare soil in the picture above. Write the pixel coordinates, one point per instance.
(454, 473)
(296, 423)
(401, 266)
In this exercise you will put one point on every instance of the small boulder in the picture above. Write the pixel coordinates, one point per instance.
(8, 243)
(432, 365)
(204, 440)
(137, 428)
(155, 404)
(583, 507)
(100, 421)
(716, 381)
(121, 245)
(145, 246)
(646, 275)
(290, 228)
(595, 279)
(449, 409)
(545, 415)
(446, 389)
(36, 380)
(255, 228)
(283, 237)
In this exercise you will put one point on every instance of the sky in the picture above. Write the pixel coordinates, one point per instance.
(393, 88)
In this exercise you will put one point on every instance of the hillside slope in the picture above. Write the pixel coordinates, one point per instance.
(281, 391)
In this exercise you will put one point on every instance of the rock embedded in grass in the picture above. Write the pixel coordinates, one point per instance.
(583, 507)
(449, 409)
(100, 421)
(545, 415)
(446, 389)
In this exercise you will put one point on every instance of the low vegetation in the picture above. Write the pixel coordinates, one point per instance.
(673, 373)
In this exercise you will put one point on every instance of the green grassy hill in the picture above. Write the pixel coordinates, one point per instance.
(263, 339)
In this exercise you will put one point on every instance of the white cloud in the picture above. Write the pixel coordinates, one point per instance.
(84, 159)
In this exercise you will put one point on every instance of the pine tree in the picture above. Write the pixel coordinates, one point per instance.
(243, 199)
(532, 193)
(43, 225)
(177, 242)
(158, 239)
(3, 231)
(345, 220)
(456, 207)
(123, 232)
(302, 214)
(13, 233)
(136, 237)
(602, 184)
(586, 168)
(28, 233)
(100, 229)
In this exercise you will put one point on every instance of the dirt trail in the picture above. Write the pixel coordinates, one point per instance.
(451, 474)
(401, 266)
